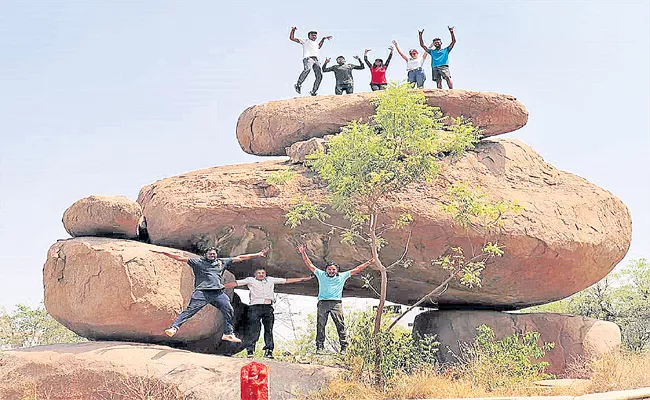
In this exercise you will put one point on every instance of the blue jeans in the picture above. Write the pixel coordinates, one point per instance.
(417, 76)
(201, 298)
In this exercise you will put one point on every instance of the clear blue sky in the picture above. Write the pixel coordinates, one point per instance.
(100, 97)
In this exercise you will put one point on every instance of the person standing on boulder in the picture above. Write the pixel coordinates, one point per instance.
(209, 288)
(262, 297)
(343, 74)
(310, 50)
(378, 70)
(440, 58)
(414, 72)
(330, 295)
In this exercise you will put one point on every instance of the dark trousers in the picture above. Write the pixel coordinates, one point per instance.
(378, 86)
(324, 309)
(201, 298)
(348, 88)
(257, 312)
(310, 63)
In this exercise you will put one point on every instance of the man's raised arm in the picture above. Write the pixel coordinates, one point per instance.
(245, 257)
(291, 35)
(302, 249)
(453, 37)
(360, 267)
(171, 255)
(296, 280)
(424, 46)
(323, 41)
(360, 66)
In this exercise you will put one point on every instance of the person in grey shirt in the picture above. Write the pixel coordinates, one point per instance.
(343, 74)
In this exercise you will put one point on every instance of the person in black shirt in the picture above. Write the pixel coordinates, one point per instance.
(343, 74)
(209, 288)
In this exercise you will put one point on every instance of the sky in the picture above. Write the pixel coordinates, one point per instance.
(106, 97)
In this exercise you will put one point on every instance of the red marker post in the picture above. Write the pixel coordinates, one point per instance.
(254, 378)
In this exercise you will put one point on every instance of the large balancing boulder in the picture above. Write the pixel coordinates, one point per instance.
(106, 216)
(113, 289)
(575, 338)
(569, 236)
(266, 129)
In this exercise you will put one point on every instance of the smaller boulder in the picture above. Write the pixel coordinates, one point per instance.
(106, 216)
(299, 151)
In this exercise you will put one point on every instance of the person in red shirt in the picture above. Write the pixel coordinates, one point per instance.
(378, 70)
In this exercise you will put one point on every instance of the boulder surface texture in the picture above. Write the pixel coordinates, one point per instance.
(108, 216)
(569, 236)
(266, 129)
(575, 337)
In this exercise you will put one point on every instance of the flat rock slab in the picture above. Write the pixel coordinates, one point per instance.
(266, 129)
(575, 337)
(97, 370)
(570, 235)
(113, 289)
(107, 216)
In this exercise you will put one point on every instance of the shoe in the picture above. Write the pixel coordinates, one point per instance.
(312, 93)
(268, 354)
(297, 87)
(171, 331)
(249, 354)
(343, 349)
(231, 338)
(320, 351)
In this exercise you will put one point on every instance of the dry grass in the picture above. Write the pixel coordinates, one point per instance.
(617, 371)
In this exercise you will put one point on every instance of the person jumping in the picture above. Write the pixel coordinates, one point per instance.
(310, 50)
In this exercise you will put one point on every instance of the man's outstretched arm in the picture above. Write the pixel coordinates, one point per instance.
(291, 35)
(171, 255)
(245, 257)
(424, 46)
(325, 68)
(453, 38)
(323, 41)
(360, 267)
(302, 249)
(296, 280)
(360, 66)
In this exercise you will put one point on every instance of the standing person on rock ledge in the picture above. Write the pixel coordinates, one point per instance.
(209, 288)
(343, 74)
(378, 70)
(262, 297)
(414, 72)
(330, 294)
(310, 61)
(440, 58)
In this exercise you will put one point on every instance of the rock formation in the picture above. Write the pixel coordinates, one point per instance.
(108, 216)
(103, 370)
(268, 128)
(566, 221)
(576, 338)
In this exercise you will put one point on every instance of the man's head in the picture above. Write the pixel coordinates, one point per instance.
(312, 35)
(413, 53)
(260, 274)
(340, 60)
(211, 254)
(437, 43)
(332, 269)
(379, 62)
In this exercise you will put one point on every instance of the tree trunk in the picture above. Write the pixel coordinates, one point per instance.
(382, 297)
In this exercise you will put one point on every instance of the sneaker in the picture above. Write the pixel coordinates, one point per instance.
(171, 331)
(268, 354)
(343, 349)
(320, 350)
(312, 93)
(297, 87)
(231, 338)
(249, 354)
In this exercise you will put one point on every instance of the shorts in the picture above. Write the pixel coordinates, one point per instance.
(441, 72)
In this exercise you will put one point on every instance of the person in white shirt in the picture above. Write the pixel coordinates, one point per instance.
(262, 296)
(414, 71)
(310, 61)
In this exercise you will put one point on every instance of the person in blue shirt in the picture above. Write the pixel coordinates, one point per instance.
(330, 294)
(440, 58)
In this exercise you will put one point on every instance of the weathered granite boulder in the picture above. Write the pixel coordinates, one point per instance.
(570, 235)
(576, 338)
(106, 216)
(114, 370)
(266, 129)
(112, 289)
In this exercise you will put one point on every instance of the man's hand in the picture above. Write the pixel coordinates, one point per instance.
(302, 248)
(366, 51)
(328, 37)
(421, 32)
(264, 252)
(293, 29)
(390, 48)
(451, 28)
(326, 61)
(356, 57)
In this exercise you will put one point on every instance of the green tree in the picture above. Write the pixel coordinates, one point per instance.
(622, 297)
(367, 164)
(27, 326)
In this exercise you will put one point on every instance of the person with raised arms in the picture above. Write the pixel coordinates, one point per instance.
(414, 72)
(343, 74)
(439, 58)
(378, 70)
(310, 50)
